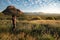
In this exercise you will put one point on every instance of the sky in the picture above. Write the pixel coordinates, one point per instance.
(46, 6)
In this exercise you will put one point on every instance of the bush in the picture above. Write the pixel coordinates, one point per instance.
(45, 37)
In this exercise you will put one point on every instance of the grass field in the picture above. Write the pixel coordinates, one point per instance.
(30, 27)
(30, 30)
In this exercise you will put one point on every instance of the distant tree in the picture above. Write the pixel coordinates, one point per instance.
(11, 10)
(49, 18)
(35, 19)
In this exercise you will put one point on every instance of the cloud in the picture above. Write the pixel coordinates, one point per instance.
(29, 5)
(29, 0)
(9, 1)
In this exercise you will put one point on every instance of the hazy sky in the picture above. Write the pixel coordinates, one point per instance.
(47, 6)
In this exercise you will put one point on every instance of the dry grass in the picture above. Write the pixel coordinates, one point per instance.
(26, 26)
(20, 36)
(55, 23)
(42, 21)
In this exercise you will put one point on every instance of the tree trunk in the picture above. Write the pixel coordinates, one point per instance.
(13, 22)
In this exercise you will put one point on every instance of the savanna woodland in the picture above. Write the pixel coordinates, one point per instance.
(17, 25)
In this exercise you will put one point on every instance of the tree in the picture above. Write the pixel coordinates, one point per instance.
(11, 10)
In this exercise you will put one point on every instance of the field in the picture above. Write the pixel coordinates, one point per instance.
(30, 27)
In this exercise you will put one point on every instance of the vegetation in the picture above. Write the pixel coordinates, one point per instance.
(30, 27)
(29, 31)
(11, 10)
(30, 17)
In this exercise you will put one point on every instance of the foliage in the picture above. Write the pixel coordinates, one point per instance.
(29, 29)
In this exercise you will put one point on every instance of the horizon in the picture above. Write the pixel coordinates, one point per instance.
(45, 6)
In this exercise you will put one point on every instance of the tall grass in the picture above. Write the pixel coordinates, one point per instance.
(27, 30)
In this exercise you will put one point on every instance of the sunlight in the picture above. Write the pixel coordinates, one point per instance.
(51, 10)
